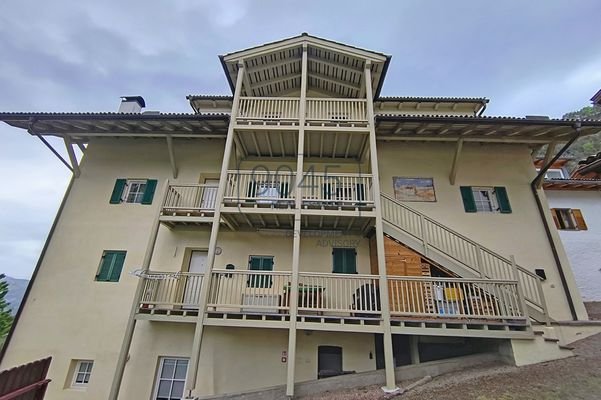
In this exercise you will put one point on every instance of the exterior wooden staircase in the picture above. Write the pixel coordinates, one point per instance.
(460, 254)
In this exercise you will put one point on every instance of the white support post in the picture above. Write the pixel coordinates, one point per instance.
(383, 283)
(454, 167)
(131, 322)
(206, 282)
(171, 155)
(296, 237)
(72, 157)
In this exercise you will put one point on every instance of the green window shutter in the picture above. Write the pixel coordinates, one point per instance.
(503, 200)
(337, 261)
(151, 185)
(258, 263)
(344, 261)
(117, 267)
(468, 199)
(118, 191)
(111, 266)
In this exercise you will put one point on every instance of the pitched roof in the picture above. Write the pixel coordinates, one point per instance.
(596, 99)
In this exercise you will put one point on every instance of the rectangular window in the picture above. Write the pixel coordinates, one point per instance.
(135, 191)
(82, 372)
(260, 263)
(568, 219)
(344, 260)
(111, 265)
(171, 379)
(485, 199)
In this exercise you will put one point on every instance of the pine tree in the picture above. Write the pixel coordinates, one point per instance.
(6, 319)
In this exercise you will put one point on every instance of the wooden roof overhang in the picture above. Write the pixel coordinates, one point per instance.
(79, 127)
(334, 69)
(572, 184)
(480, 129)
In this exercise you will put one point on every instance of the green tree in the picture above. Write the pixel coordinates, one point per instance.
(6, 319)
(587, 145)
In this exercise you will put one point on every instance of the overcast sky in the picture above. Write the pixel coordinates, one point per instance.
(528, 57)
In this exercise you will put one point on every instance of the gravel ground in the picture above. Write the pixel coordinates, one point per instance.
(575, 378)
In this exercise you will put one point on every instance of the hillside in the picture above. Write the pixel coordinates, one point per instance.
(16, 290)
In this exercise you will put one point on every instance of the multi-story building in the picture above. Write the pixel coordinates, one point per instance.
(301, 228)
(575, 203)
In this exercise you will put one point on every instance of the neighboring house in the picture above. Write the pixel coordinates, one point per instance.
(303, 227)
(596, 99)
(575, 202)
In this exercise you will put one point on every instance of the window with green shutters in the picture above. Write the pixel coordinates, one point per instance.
(260, 263)
(344, 260)
(485, 199)
(140, 191)
(111, 266)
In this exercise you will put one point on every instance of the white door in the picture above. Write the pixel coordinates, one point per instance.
(198, 265)
(209, 194)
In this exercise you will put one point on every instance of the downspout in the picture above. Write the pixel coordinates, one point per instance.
(541, 210)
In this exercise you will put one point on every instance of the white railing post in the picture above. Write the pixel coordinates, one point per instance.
(523, 306)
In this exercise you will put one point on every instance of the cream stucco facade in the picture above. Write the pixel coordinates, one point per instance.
(356, 148)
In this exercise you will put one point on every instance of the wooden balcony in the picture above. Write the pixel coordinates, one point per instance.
(191, 203)
(338, 302)
(285, 111)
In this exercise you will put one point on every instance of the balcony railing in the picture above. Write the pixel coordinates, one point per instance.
(168, 290)
(249, 291)
(319, 189)
(345, 294)
(454, 297)
(336, 295)
(269, 108)
(338, 110)
(190, 198)
(259, 187)
(287, 109)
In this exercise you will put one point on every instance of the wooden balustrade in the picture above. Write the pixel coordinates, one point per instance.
(249, 291)
(342, 295)
(473, 256)
(454, 298)
(190, 198)
(336, 110)
(170, 289)
(259, 187)
(286, 109)
(337, 189)
(269, 108)
(338, 293)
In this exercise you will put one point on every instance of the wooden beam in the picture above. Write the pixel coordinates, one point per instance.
(169, 140)
(454, 166)
(72, 157)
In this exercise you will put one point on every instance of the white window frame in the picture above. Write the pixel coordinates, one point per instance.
(87, 373)
(492, 199)
(139, 194)
(158, 378)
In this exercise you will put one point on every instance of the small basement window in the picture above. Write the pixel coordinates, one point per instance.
(82, 373)
(568, 219)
